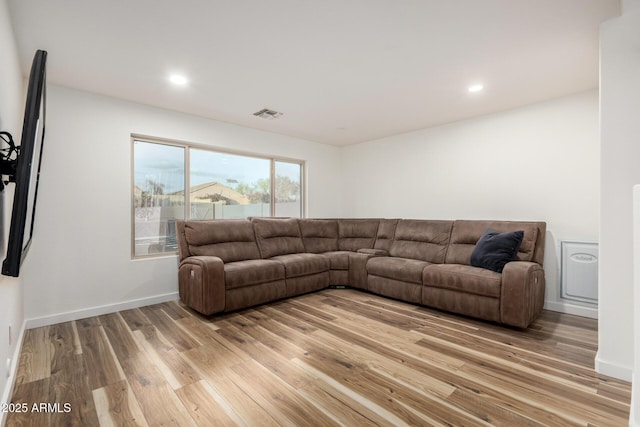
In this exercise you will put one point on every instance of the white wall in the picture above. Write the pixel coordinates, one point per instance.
(629, 5)
(79, 263)
(11, 111)
(539, 162)
(620, 168)
(620, 104)
(634, 418)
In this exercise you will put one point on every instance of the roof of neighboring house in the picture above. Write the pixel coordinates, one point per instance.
(209, 189)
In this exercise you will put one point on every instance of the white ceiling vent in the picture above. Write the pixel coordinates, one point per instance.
(265, 113)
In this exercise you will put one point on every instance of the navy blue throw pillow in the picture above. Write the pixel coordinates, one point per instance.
(494, 250)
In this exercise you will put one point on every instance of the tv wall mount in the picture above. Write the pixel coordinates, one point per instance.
(8, 160)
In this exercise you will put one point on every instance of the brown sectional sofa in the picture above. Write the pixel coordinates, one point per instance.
(227, 265)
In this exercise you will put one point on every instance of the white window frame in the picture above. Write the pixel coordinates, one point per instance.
(187, 172)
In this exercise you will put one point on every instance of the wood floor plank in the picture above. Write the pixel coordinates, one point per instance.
(466, 383)
(201, 331)
(370, 338)
(200, 401)
(283, 403)
(334, 357)
(365, 353)
(402, 373)
(374, 313)
(384, 392)
(429, 387)
(69, 383)
(355, 386)
(344, 409)
(76, 338)
(284, 338)
(159, 404)
(565, 402)
(263, 329)
(178, 338)
(135, 319)
(120, 337)
(117, 406)
(176, 370)
(466, 347)
(234, 396)
(275, 362)
(174, 310)
(546, 382)
(382, 334)
(614, 389)
(35, 357)
(24, 397)
(102, 366)
(213, 356)
(351, 398)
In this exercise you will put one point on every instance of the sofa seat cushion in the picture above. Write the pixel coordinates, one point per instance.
(296, 265)
(402, 269)
(463, 278)
(252, 272)
(338, 260)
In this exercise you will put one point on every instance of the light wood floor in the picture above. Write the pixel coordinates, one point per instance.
(337, 357)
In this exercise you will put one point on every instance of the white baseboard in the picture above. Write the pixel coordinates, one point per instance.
(13, 370)
(97, 311)
(576, 310)
(614, 370)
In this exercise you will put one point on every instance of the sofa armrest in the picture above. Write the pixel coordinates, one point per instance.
(522, 294)
(376, 252)
(201, 283)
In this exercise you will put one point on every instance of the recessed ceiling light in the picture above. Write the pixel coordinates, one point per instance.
(475, 88)
(177, 79)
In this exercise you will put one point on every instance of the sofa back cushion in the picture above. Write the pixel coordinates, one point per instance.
(229, 239)
(277, 236)
(465, 235)
(424, 240)
(354, 234)
(319, 235)
(386, 232)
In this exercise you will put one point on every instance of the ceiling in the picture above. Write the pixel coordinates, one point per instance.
(340, 71)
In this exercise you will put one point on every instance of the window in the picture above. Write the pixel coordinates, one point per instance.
(158, 199)
(228, 186)
(221, 185)
(288, 179)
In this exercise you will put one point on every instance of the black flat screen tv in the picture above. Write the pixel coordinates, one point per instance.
(27, 168)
